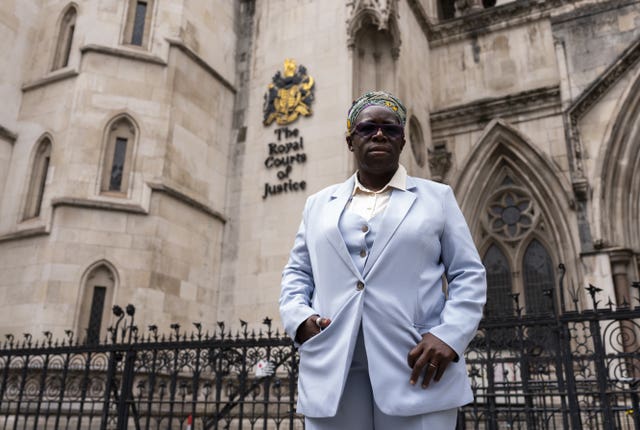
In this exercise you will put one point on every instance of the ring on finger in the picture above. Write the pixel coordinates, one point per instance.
(318, 322)
(435, 365)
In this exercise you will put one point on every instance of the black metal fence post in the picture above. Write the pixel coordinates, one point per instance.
(125, 400)
(635, 402)
(602, 375)
(572, 395)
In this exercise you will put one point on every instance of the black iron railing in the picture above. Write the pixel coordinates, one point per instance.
(221, 380)
(569, 368)
(565, 369)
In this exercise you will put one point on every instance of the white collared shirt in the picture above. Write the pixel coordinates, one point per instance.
(367, 203)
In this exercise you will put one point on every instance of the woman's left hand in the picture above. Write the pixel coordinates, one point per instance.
(431, 356)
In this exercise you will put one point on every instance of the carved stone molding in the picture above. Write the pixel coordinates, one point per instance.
(581, 189)
(25, 233)
(439, 161)
(605, 81)
(482, 111)
(480, 20)
(383, 14)
(466, 7)
(589, 97)
(620, 257)
(8, 135)
(56, 76)
(620, 260)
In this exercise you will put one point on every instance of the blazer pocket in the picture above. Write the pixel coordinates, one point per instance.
(327, 331)
(317, 338)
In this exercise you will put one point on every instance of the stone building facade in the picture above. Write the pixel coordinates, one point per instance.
(135, 166)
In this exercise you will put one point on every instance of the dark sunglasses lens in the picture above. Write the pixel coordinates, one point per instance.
(392, 130)
(365, 129)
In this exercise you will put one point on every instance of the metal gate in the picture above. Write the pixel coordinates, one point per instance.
(566, 369)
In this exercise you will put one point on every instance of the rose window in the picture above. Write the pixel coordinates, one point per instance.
(510, 213)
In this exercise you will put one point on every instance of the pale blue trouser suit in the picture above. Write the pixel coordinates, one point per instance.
(392, 300)
(358, 409)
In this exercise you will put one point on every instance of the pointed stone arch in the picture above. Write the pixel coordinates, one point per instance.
(502, 145)
(374, 39)
(381, 15)
(38, 172)
(98, 287)
(504, 159)
(617, 186)
(64, 38)
(120, 142)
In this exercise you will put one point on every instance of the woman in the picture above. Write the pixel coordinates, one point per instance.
(381, 344)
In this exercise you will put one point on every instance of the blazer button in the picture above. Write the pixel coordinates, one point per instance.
(365, 228)
(360, 286)
(363, 253)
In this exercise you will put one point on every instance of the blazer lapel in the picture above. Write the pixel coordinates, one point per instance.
(332, 213)
(399, 205)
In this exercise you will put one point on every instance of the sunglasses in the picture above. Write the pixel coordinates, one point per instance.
(367, 129)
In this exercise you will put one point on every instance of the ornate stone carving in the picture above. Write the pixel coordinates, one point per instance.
(439, 161)
(465, 7)
(513, 104)
(479, 19)
(590, 97)
(383, 14)
(511, 213)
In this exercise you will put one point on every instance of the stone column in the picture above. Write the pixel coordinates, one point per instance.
(620, 260)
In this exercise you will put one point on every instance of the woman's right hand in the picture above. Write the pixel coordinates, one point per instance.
(311, 327)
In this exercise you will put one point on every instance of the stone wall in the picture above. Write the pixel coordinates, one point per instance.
(544, 88)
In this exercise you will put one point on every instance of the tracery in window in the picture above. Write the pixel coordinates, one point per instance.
(511, 212)
(517, 262)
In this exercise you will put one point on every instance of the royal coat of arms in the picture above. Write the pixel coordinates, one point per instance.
(288, 96)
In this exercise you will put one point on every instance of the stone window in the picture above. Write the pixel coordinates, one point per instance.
(449, 9)
(516, 258)
(64, 41)
(120, 140)
(499, 288)
(138, 24)
(38, 180)
(97, 297)
(537, 269)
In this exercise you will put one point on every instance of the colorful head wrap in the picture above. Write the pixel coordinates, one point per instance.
(377, 98)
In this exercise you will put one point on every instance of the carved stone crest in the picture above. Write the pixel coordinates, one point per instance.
(289, 95)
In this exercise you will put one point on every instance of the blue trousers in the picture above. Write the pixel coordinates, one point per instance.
(358, 410)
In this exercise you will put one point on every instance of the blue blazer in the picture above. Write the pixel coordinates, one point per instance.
(422, 236)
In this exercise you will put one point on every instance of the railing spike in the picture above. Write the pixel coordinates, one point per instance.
(593, 290)
(610, 304)
(625, 303)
